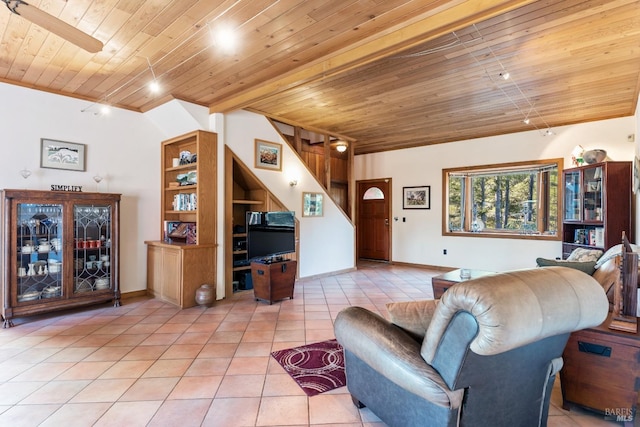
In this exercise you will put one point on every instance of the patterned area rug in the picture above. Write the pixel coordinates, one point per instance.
(317, 367)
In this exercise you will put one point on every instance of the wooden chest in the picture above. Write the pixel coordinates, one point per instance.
(602, 372)
(274, 281)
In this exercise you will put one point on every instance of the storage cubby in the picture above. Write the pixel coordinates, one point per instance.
(245, 192)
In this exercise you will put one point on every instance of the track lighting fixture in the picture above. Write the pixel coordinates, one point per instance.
(98, 108)
(153, 85)
(224, 37)
(517, 97)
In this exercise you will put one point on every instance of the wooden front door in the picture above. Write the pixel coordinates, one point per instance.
(373, 226)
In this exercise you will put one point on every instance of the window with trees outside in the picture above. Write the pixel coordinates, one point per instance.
(514, 200)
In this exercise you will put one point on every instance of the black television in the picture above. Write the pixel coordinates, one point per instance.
(270, 234)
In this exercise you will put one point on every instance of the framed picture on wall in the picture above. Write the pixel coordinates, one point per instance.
(62, 155)
(416, 197)
(312, 204)
(268, 155)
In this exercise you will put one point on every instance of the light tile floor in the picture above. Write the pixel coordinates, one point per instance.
(147, 363)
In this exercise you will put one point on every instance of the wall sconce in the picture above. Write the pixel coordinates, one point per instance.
(293, 182)
(25, 173)
(97, 178)
(341, 147)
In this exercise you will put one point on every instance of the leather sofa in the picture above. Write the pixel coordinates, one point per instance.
(485, 354)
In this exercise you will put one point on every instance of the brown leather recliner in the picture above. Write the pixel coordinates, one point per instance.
(486, 355)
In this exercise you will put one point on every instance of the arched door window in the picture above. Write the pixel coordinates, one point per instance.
(373, 193)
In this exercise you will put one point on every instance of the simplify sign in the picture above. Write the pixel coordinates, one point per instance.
(70, 188)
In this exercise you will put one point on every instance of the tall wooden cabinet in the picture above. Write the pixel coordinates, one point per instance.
(185, 256)
(243, 193)
(597, 206)
(59, 250)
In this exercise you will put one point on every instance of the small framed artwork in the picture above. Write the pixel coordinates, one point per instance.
(268, 155)
(312, 204)
(416, 197)
(62, 155)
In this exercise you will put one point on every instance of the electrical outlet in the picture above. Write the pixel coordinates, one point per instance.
(444, 252)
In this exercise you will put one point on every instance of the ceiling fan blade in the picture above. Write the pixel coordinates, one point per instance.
(54, 25)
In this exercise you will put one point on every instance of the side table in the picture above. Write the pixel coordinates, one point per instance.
(444, 281)
(601, 372)
(273, 281)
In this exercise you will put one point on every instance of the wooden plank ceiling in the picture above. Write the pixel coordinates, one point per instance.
(386, 74)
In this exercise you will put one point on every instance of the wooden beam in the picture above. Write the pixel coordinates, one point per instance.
(297, 139)
(435, 23)
(301, 125)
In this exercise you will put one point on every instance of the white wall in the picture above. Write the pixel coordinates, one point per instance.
(175, 118)
(419, 240)
(123, 147)
(327, 242)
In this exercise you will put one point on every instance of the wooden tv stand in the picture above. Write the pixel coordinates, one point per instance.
(273, 281)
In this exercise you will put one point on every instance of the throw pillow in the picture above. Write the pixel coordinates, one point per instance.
(584, 255)
(613, 252)
(587, 267)
(412, 316)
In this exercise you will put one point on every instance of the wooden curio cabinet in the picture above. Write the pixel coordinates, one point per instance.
(597, 206)
(59, 250)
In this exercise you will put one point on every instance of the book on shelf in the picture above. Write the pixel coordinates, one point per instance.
(580, 236)
(185, 202)
(599, 239)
